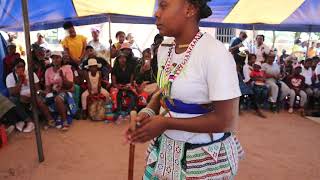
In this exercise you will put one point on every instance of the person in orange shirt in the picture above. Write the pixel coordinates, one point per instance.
(74, 44)
(312, 51)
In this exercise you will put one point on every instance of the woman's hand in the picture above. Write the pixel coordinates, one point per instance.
(148, 129)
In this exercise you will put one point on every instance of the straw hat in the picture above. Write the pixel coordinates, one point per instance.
(92, 62)
(56, 53)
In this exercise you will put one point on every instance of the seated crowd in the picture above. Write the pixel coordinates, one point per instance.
(70, 83)
(81, 83)
(267, 80)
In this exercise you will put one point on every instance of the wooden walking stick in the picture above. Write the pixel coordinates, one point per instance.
(133, 116)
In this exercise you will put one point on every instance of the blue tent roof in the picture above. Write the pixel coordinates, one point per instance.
(283, 15)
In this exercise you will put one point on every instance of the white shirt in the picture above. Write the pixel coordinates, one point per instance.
(25, 89)
(246, 72)
(307, 73)
(210, 75)
(273, 69)
(263, 49)
(317, 71)
(97, 46)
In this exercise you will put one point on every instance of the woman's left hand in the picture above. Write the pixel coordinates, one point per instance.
(149, 129)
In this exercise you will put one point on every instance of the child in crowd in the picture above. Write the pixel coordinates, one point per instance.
(93, 77)
(296, 83)
(259, 88)
(10, 58)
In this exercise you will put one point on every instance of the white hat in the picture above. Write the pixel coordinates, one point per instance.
(94, 29)
(40, 34)
(92, 62)
(56, 53)
(257, 63)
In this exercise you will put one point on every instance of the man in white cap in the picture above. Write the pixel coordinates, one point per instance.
(97, 45)
(41, 41)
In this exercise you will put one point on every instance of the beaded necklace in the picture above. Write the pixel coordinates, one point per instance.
(171, 70)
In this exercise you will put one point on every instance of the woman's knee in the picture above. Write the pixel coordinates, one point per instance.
(58, 100)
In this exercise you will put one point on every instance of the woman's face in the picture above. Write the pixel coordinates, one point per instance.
(122, 60)
(20, 68)
(93, 69)
(41, 54)
(147, 56)
(252, 60)
(121, 38)
(56, 61)
(256, 67)
(171, 16)
(270, 59)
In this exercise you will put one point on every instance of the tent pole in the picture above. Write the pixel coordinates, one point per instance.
(253, 37)
(110, 40)
(26, 29)
(308, 42)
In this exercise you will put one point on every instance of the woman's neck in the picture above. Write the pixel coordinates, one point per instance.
(186, 36)
(56, 68)
(123, 67)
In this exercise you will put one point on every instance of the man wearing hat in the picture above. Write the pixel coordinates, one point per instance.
(13, 40)
(95, 42)
(296, 83)
(41, 41)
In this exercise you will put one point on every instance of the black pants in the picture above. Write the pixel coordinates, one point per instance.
(13, 116)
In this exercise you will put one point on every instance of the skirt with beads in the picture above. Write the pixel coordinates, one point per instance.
(176, 160)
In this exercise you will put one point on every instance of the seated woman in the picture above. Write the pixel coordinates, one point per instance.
(144, 71)
(122, 81)
(93, 77)
(19, 88)
(274, 82)
(59, 88)
(11, 116)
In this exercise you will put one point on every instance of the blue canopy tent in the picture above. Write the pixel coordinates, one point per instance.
(280, 15)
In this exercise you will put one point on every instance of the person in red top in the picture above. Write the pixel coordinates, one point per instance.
(10, 59)
(296, 83)
(259, 87)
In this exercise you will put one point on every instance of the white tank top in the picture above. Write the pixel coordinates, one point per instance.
(94, 81)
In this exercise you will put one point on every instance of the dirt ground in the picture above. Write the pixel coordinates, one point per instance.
(281, 147)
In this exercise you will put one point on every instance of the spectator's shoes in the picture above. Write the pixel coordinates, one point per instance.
(20, 125)
(29, 128)
(290, 110)
(65, 126)
(51, 123)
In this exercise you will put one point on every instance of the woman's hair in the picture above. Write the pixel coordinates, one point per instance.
(148, 50)
(204, 9)
(18, 61)
(251, 56)
(261, 35)
(119, 33)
